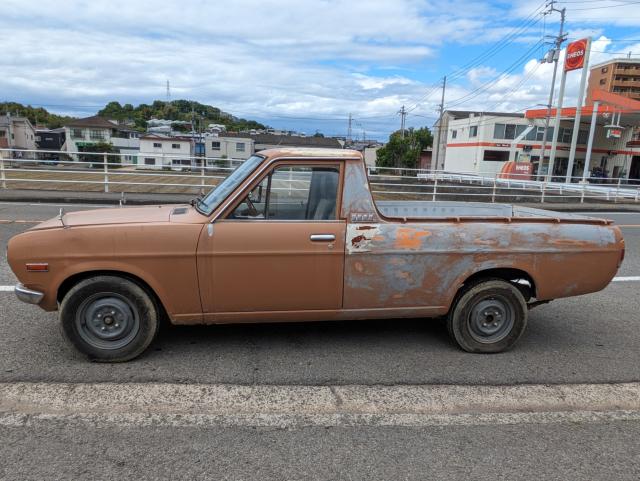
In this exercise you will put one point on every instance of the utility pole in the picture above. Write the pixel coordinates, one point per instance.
(552, 56)
(349, 130)
(403, 114)
(556, 125)
(436, 152)
(168, 92)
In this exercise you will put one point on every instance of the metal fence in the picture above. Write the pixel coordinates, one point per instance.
(113, 172)
(110, 172)
(497, 187)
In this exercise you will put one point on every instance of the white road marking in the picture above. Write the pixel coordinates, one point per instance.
(154, 404)
(7, 288)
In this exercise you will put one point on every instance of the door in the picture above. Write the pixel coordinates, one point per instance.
(280, 248)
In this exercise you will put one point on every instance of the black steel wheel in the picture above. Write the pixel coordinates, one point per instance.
(488, 316)
(109, 318)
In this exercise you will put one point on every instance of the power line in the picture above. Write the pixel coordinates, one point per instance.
(479, 90)
(605, 6)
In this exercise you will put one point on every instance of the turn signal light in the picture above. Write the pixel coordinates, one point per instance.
(38, 267)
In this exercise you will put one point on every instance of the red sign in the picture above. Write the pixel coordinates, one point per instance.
(576, 53)
(516, 170)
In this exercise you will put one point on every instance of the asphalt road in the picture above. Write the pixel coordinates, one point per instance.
(589, 339)
(592, 338)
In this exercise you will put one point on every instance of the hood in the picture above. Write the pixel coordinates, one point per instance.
(125, 215)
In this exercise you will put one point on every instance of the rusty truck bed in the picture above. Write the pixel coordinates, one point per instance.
(481, 211)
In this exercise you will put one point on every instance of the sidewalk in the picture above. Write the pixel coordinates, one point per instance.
(69, 197)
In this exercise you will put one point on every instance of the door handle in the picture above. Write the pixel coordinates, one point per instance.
(322, 237)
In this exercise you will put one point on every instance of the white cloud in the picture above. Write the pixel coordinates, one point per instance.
(260, 58)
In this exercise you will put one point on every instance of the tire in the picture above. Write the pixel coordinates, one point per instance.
(488, 316)
(109, 318)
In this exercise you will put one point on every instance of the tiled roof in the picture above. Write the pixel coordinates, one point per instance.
(95, 121)
(288, 140)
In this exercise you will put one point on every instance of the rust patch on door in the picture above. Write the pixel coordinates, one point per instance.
(410, 238)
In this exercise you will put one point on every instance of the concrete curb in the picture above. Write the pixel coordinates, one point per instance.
(141, 404)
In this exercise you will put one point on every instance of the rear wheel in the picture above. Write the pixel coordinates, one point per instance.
(109, 318)
(489, 316)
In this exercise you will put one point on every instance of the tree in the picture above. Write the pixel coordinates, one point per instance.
(404, 152)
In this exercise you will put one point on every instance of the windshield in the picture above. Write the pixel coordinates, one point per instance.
(213, 199)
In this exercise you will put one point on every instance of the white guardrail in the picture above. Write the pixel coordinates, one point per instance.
(35, 169)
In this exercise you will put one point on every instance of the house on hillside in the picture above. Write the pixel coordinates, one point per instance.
(82, 134)
(161, 151)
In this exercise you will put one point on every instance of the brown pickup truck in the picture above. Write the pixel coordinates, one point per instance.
(294, 235)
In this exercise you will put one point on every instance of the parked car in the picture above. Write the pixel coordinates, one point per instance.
(294, 235)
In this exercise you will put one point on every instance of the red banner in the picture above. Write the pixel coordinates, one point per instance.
(576, 53)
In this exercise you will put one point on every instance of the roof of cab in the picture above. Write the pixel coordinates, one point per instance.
(312, 152)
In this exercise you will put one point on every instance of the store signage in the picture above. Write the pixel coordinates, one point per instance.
(576, 53)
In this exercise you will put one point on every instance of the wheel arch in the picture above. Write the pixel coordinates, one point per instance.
(73, 279)
(518, 277)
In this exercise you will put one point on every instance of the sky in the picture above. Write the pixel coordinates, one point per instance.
(299, 64)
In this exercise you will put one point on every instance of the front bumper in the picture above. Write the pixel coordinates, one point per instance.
(28, 295)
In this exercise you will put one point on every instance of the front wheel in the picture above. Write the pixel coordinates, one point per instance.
(109, 318)
(489, 316)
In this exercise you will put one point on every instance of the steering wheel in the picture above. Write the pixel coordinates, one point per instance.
(253, 212)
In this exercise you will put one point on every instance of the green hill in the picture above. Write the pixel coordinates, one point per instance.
(174, 110)
(36, 115)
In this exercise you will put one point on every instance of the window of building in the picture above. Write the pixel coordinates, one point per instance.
(603, 81)
(293, 193)
(239, 146)
(77, 133)
(215, 145)
(473, 131)
(583, 137)
(604, 69)
(495, 156)
(157, 145)
(95, 134)
(3, 133)
(175, 146)
(454, 134)
(510, 131)
(149, 161)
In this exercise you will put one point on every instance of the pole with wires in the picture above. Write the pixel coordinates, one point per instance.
(552, 56)
(403, 114)
(439, 131)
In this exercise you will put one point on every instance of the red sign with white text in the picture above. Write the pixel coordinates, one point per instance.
(576, 53)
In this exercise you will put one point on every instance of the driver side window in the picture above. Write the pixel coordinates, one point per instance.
(254, 205)
(293, 192)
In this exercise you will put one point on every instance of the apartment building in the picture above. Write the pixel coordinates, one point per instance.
(618, 76)
(160, 151)
(240, 148)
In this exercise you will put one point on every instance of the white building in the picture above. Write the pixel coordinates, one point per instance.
(228, 147)
(158, 151)
(82, 134)
(17, 133)
(484, 142)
